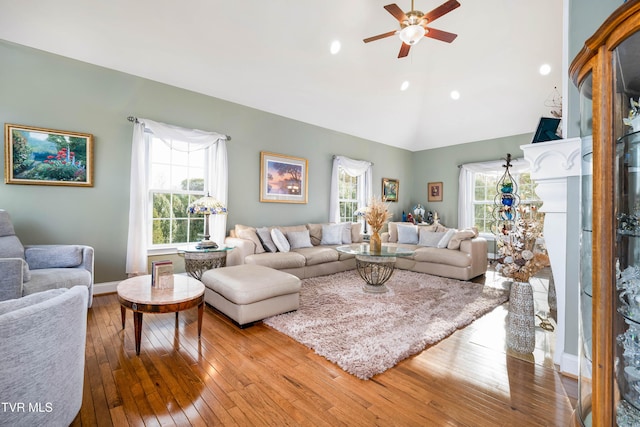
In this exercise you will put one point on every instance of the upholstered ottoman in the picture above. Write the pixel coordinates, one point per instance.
(248, 293)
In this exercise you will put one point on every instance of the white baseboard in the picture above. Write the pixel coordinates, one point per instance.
(104, 288)
(570, 364)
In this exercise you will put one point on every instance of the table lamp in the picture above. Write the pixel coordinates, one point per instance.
(207, 206)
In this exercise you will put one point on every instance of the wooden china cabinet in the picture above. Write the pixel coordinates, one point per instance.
(607, 74)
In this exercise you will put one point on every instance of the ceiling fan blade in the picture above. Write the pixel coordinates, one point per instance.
(397, 13)
(404, 50)
(440, 35)
(380, 36)
(443, 9)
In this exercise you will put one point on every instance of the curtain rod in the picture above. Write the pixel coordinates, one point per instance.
(133, 119)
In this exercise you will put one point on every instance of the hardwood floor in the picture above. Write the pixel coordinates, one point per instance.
(258, 376)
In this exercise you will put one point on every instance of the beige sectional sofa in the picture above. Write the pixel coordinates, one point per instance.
(464, 256)
(317, 258)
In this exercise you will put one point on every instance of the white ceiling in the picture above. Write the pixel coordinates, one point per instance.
(274, 56)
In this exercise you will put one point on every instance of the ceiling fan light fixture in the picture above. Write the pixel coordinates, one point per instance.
(412, 34)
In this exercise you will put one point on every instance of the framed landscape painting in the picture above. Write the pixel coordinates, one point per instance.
(47, 157)
(283, 179)
(390, 189)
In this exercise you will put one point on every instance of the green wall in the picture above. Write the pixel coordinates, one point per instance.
(440, 165)
(45, 90)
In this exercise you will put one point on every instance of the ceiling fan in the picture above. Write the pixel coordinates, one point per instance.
(413, 25)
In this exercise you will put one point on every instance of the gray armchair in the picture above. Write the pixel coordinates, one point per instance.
(36, 268)
(43, 340)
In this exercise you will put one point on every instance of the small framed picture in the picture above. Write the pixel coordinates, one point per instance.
(434, 192)
(47, 157)
(283, 179)
(390, 189)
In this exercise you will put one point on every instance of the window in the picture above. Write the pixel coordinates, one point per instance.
(347, 196)
(176, 178)
(485, 191)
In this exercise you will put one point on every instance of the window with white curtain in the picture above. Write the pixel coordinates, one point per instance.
(477, 191)
(485, 190)
(170, 167)
(347, 196)
(176, 178)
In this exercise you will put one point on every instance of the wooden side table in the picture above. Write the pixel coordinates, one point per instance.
(197, 261)
(137, 294)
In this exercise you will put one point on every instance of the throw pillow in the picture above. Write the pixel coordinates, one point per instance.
(346, 233)
(446, 238)
(430, 238)
(356, 232)
(299, 239)
(459, 236)
(265, 237)
(280, 240)
(332, 234)
(249, 233)
(408, 234)
(315, 232)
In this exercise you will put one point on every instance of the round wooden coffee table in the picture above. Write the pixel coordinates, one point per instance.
(137, 294)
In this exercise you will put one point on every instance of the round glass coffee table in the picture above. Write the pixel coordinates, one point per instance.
(137, 294)
(375, 268)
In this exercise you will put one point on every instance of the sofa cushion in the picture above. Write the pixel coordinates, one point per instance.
(446, 238)
(299, 239)
(48, 278)
(279, 261)
(318, 255)
(442, 256)
(331, 234)
(6, 226)
(249, 233)
(264, 234)
(280, 240)
(54, 256)
(430, 238)
(346, 233)
(408, 233)
(461, 235)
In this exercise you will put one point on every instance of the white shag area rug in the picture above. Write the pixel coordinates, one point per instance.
(366, 334)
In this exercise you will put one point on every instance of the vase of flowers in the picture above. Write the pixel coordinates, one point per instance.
(520, 257)
(376, 216)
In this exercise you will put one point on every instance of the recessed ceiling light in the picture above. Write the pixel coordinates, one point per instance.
(545, 69)
(335, 47)
(405, 85)
(455, 94)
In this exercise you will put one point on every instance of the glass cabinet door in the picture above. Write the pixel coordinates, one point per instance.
(586, 292)
(626, 322)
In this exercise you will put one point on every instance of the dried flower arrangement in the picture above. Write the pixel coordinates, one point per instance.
(519, 254)
(376, 215)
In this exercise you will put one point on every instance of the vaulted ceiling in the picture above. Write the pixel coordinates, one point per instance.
(274, 56)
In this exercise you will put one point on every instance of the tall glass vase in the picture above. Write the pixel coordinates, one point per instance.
(521, 324)
(375, 243)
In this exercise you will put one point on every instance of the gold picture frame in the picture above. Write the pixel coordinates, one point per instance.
(41, 156)
(283, 179)
(390, 189)
(434, 192)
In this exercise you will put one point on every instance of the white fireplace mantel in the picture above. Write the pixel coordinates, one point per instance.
(552, 163)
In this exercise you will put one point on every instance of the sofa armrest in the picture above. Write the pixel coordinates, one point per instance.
(477, 248)
(11, 278)
(241, 249)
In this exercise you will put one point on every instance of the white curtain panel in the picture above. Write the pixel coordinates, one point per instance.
(355, 168)
(466, 184)
(176, 138)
